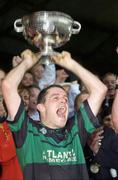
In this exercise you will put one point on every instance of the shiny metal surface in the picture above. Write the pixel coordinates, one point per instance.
(47, 29)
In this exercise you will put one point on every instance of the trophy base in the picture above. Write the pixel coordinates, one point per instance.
(46, 60)
(46, 57)
(49, 53)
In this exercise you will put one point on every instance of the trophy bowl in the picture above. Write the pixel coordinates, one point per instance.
(47, 30)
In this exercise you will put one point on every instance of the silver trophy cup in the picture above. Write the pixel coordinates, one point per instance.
(47, 30)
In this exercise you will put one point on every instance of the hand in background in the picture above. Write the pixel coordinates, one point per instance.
(95, 140)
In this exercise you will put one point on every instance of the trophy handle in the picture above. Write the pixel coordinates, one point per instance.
(18, 25)
(77, 28)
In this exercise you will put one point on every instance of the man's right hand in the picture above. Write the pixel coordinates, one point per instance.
(30, 58)
(16, 61)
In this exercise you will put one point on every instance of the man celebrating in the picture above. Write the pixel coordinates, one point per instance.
(52, 149)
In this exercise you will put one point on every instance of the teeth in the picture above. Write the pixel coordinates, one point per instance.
(61, 111)
(62, 108)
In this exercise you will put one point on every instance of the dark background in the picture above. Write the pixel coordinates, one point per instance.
(95, 46)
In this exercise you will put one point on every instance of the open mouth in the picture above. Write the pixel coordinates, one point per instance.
(61, 112)
(110, 89)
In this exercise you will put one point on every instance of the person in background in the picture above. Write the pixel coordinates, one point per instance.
(9, 165)
(10, 168)
(72, 87)
(104, 165)
(37, 72)
(32, 106)
(61, 76)
(114, 112)
(52, 149)
(109, 79)
(27, 79)
(94, 140)
(44, 75)
(25, 95)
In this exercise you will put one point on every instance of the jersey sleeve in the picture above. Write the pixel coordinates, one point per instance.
(19, 126)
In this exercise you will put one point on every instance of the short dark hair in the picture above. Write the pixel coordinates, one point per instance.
(43, 93)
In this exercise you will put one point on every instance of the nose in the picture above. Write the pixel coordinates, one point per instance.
(63, 99)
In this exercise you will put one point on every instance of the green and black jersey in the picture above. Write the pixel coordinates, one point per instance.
(48, 154)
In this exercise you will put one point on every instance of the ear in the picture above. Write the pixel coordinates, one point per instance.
(41, 107)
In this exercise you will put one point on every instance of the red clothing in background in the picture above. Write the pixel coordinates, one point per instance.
(11, 169)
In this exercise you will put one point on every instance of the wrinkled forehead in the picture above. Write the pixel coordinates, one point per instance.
(56, 90)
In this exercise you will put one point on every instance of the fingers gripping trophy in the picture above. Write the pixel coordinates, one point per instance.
(47, 30)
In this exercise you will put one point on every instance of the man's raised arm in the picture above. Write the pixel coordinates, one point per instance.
(13, 78)
(96, 89)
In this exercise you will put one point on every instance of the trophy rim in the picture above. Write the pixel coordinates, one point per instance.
(58, 13)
